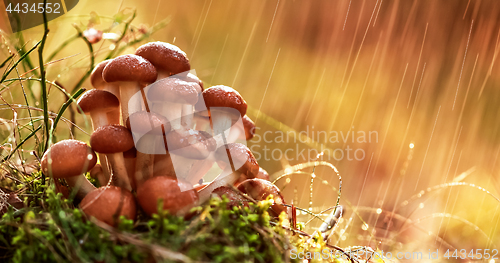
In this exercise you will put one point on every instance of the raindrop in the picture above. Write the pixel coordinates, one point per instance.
(412, 145)
(343, 238)
(89, 157)
(112, 47)
(421, 205)
(364, 226)
(313, 175)
(288, 180)
(379, 211)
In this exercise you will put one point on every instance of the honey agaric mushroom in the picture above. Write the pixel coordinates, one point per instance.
(261, 175)
(260, 189)
(70, 159)
(190, 77)
(243, 131)
(186, 146)
(108, 203)
(178, 196)
(174, 98)
(97, 103)
(236, 160)
(148, 129)
(131, 73)
(113, 140)
(98, 83)
(225, 106)
(167, 58)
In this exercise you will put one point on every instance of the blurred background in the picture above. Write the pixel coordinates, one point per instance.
(419, 78)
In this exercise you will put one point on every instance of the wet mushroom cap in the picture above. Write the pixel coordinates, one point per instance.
(249, 126)
(68, 158)
(98, 100)
(147, 122)
(190, 77)
(260, 189)
(263, 174)
(96, 76)
(164, 56)
(190, 143)
(111, 139)
(240, 156)
(224, 96)
(174, 90)
(129, 68)
(107, 204)
(177, 195)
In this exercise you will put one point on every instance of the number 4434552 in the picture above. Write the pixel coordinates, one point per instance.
(34, 8)
(473, 254)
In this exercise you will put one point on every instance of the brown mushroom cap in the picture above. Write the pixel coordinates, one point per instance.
(190, 77)
(178, 196)
(107, 204)
(224, 96)
(98, 100)
(260, 189)
(164, 56)
(147, 123)
(68, 158)
(174, 90)
(190, 143)
(96, 77)
(111, 139)
(241, 157)
(129, 68)
(249, 126)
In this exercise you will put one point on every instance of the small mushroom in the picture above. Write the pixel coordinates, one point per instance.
(174, 98)
(148, 129)
(113, 140)
(131, 73)
(259, 189)
(97, 103)
(167, 58)
(261, 175)
(236, 160)
(178, 196)
(70, 159)
(190, 77)
(225, 106)
(108, 203)
(98, 83)
(186, 146)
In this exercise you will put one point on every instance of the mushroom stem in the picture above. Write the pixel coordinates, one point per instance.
(182, 165)
(114, 115)
(119, 170)
(131, 98)
(81, 185)
(99, 119)
(172, 111)
(200, 169)
(227, 177)
(221, 125)
(130, 167)
(144, 162)
(163, 165)
(187, 115)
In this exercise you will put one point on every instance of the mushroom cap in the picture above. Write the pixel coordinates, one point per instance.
(190, 77)
(68, 158)
(242, 158)
(111, 139)
(96, 76)
(98, 100)
(107, 204)
(260, 189)
(178, 196)
(224, 96)
(261, 175)
(249, 126)
(165, 57)
(147, 122)
(235, 197)
(129, 68)
(174, 90)
(190, 143)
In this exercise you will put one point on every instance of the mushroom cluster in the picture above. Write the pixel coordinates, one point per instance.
(156, 133)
